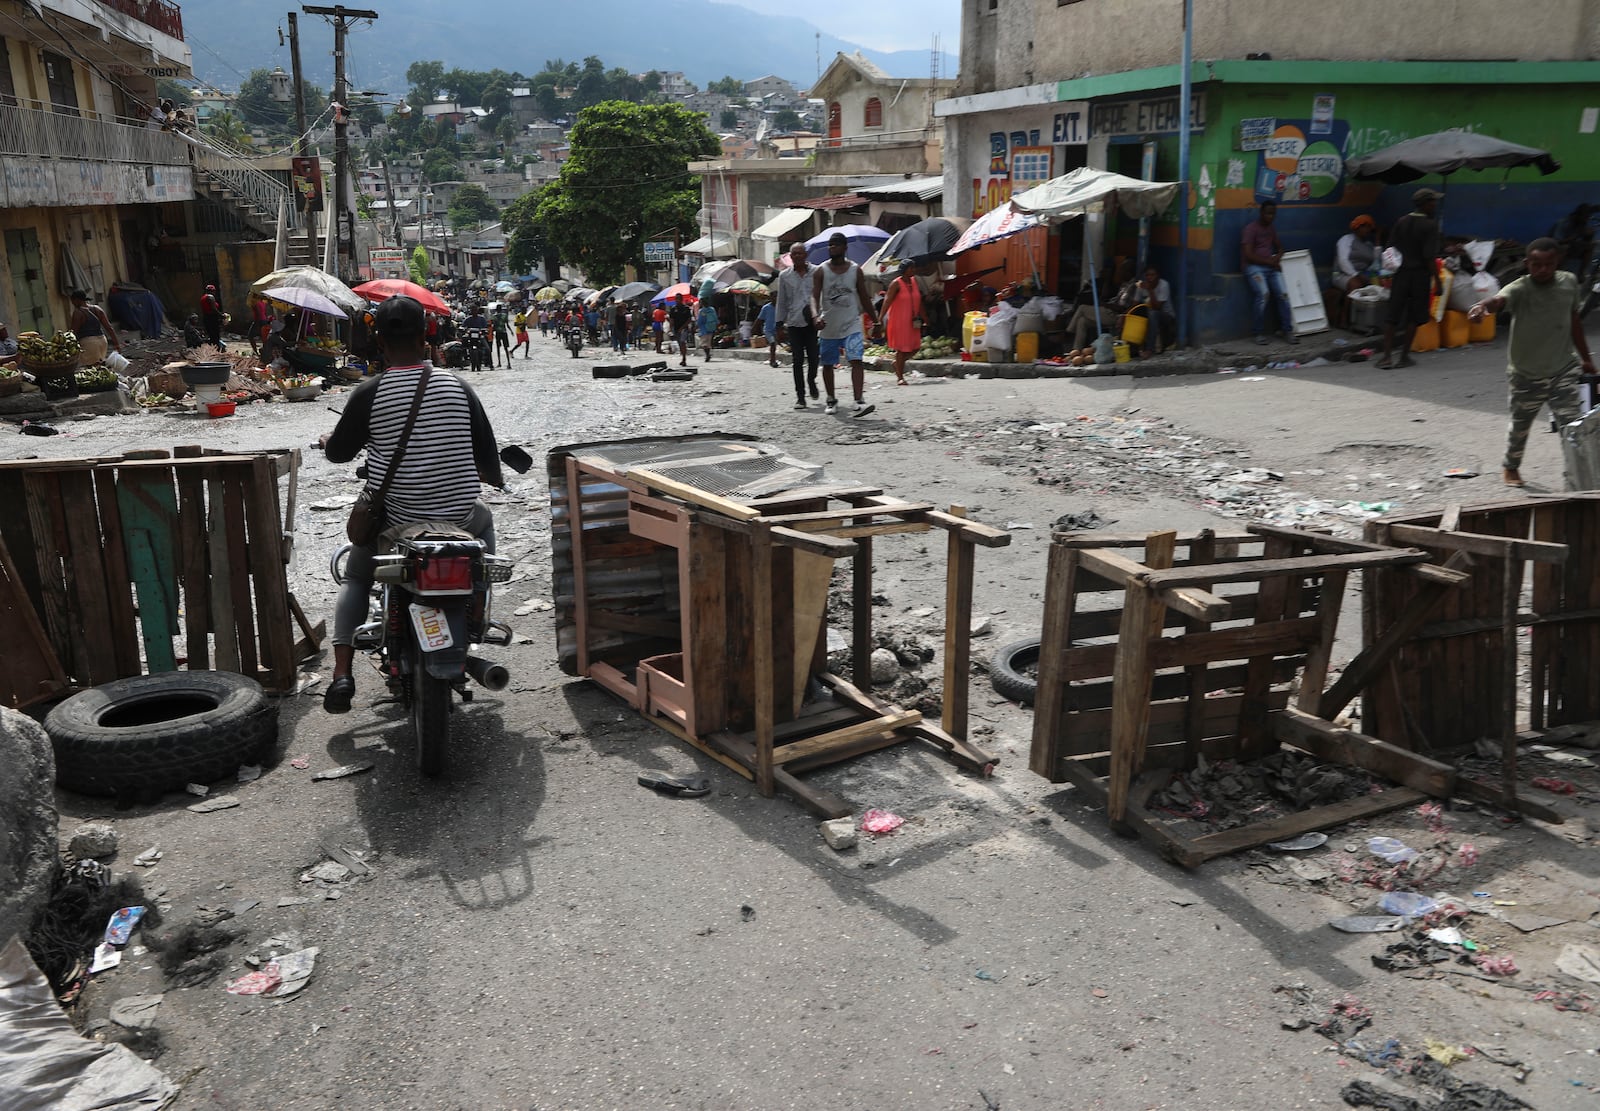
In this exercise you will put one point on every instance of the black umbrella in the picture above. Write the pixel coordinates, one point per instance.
(1445, 152)
(927, 240)
(634, 290)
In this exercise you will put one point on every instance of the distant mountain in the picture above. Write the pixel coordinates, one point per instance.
(704, 40)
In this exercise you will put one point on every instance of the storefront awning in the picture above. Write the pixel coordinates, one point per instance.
(783, 223)
(705, 246)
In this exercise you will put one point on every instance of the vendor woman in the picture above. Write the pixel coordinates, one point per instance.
(1354, 257)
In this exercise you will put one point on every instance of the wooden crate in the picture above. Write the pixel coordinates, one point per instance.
(1220, 643)
(136, 565)
(707, 614)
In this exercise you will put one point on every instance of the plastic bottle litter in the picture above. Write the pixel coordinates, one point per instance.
(1299, 844)
(1407, 904)
(1391, 849)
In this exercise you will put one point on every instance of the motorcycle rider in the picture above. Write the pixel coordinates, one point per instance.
(451, 451)
(480, 323)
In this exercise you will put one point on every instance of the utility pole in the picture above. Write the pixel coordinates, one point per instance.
(394, 211)
(300, 126)
(341, 17)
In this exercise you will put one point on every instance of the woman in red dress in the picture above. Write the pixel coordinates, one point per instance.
(902, 314)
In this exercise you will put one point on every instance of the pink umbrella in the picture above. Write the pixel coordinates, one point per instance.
(997, 223)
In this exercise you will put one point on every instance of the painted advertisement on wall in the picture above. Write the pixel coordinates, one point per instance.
(1302, 162)
(1013, 151)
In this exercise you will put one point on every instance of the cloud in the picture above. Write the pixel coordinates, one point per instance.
(882, 25)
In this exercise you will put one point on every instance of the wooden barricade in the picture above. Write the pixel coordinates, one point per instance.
(708, 615)
(1453, 677)
(1121, 704)
(135, 565)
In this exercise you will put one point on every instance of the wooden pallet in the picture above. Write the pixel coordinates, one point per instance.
(143, 564)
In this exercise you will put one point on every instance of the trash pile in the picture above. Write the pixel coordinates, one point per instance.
(1134, 456)
(1226, 793)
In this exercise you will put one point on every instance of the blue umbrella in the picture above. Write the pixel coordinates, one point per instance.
(862, 242)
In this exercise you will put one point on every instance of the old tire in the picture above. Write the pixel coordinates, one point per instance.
(1007, 670)
(143, 736)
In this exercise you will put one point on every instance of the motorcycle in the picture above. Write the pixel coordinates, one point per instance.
(575, 339)
(431, 600)
(479, 354)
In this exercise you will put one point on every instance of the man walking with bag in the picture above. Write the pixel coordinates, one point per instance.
(796, 315)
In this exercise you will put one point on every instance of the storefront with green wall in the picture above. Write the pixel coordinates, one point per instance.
(1284, 131)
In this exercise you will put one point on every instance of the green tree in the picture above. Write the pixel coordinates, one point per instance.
(544, 95)
(626, 176)
(730, 119)
(651, 82)
(466, 86)
(471, 205)
(728, 86)
(228, 128)
(786, 119)
(496, 98)
(255, 106)
(419, 264)
(425, 78)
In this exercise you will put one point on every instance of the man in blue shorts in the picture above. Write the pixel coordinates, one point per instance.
(840, 291)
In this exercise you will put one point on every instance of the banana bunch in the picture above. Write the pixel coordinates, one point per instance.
(35, 348)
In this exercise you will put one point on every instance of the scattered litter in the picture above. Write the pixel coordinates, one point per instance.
(1467, 855)
(1571, 758)
(1445, 1054)
(221, 802)
(1300, 844)
(881, 821)
(678, 786)
(1081, 522)
(1100, 993)
(1497, 966)
(1390, 849)
(989, 977)
(1448, 935)
(256, 983)
(1013, 526)
(249, 773)
(338, 501)
(746, 912)
(120, 928)
(1368, 924)
(1407, 904)
(329, 871)
(341, 771)
(301, 762)
(291, 902)
(199, 790)
(105, 956)
(355, 861)
(1555, 786)
(294, 970)
(243, 905)
(1459, 472)
(308, 684)
(136, 1012)
(1566, 1000)
(150, 857)
(1581, 962)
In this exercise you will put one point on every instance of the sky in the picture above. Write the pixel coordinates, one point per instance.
(878, 24)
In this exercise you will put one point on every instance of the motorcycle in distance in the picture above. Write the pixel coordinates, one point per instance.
(575, 339)
(479, 353)
(432, 600)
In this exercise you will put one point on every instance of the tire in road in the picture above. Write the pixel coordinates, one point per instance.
(140, 737)
(1008, 674)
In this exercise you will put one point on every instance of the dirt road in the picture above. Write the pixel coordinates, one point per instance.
(541, 932)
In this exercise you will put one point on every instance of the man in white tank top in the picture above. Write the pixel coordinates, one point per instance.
(840, 291)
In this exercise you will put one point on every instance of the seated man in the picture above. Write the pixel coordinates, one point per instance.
(1154, 292)
(1354, 257)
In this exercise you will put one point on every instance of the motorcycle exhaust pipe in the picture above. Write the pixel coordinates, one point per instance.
(488, 675)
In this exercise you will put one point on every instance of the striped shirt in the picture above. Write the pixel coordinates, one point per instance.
(450, 446)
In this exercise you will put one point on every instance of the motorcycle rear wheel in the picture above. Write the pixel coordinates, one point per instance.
(430, 719)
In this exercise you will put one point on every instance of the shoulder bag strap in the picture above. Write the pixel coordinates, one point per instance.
(405, 433)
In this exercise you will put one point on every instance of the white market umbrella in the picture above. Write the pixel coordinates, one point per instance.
(1086, 190)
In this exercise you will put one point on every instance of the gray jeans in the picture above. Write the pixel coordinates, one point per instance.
(353, 606)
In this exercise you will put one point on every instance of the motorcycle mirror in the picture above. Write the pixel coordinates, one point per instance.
(515, 458)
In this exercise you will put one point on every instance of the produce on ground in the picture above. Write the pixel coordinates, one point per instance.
(34, 348)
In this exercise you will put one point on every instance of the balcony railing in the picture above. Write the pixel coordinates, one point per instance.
(35, 133)
(164, 17)
(258, 189)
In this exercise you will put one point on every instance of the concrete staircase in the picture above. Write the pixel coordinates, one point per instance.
(228, 177)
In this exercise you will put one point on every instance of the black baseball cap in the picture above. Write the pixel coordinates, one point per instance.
(400, 318)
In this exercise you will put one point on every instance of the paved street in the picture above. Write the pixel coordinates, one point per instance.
(541, 932)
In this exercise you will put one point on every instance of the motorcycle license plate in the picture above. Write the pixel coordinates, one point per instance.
(433, 628)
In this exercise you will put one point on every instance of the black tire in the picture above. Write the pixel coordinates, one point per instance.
(141, 737)
(430, 719)
(1007, 670)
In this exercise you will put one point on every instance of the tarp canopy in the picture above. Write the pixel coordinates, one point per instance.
(1086, 190)
(1445, 152)
(706, 246)
(783, 223)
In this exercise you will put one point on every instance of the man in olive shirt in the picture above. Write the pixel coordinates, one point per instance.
(1416, 236)
(1548, 349)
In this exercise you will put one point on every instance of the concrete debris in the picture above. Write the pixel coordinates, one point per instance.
(329, 871)
(136, 1012)
(92, 841)
(211, 806)
(840, 833)
(885, 666)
